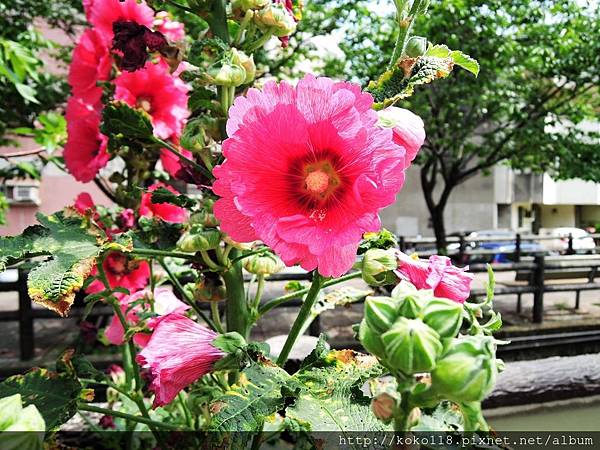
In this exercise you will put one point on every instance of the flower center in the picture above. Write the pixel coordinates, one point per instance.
(320, 180)
(317, 181)
(145, 104)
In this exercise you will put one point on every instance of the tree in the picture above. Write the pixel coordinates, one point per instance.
(537, 84)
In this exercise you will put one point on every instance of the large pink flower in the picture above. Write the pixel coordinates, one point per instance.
(103, 13)
(179, 352)
(165, 303)
(437, 273)
(121, 271)
(164, 211)
(173, 30)
(85, 151)
(91, 63)
(307, 170)
(157, 92)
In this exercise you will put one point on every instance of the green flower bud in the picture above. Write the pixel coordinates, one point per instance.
(17, 425)
(383, 407)
(416, 46)
(276, 19)
(245, 5)
(411, 346)
(247, 62)
(200, 241)
(228, 75)
(263, 264)
(370, 340)
(444, 316)
(467, 370)
(377, 266)
(409, 299)
(380, 313)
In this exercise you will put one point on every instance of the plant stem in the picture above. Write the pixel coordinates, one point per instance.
(167, 146)
(190, 301)
(237, 308)
(208, 260)
(252, 253)
(260, 287)
(216, 316)
(404, 31)
(144, 420)
(245, 21)
(259, 42)
(161, 253)
(293, 295)
(303, 314)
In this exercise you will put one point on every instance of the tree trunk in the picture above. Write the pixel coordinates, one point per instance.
(439, 228)
(436, 209)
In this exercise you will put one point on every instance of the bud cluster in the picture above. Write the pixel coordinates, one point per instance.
(235, 68)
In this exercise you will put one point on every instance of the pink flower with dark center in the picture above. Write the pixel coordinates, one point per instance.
(85, 151)
(121, 271)
(91, 62)
(179, 352)
(164, 211)
(409, 131)
(438, 274)
(164, 302)
(161, 95)
(307, 170)
(103, 13)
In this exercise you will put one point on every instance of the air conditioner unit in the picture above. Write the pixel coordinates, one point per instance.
(26, 194)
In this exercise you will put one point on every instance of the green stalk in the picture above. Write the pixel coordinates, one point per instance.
(274, 303)
(216, 316)
(259, 42)
(166, 145)
(161, 253)
(303, 315)
(217, 20)
(260, 287)
(139, 419)
(405, 31)
(237, 308)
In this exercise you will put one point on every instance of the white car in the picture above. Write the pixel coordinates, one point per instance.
(582, 241)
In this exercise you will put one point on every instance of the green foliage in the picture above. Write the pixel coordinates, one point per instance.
(73, 250)
(54, 395)
(163, 195)
(51, 134)
(123, 125)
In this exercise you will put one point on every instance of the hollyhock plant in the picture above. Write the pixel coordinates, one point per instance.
(334, 170)
(171, 29)
(102, 14)
(437, 273)
(409, 130)
(121, 271)
(179, 352)
(85, 152)
(134, 41)
(164, 302)
(91, 63)
(165, 211)
(161, 95)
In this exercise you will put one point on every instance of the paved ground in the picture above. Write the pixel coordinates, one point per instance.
(52, 336)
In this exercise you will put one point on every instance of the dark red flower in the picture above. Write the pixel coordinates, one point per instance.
(134, 41)
(107, 422)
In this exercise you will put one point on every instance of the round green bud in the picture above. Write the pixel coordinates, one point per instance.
(200, 241)
(408, 299)
(247, 62)
(411, 346)
(245, 5)
(228, 75)
(263, 264)
(416, 46)
(380, 313)
(370, 340)
(467, 370)
(276, 19)
(444, 316)
(383, 407)
(377, 267)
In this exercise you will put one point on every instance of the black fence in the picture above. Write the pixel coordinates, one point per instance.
(532, 276)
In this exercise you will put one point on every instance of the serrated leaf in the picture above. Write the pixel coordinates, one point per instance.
(330, 396)
(445, 417)
(162, 195)
(255, 396)
(54, 395)
(73, 251)
(465, 61)
(122, 124)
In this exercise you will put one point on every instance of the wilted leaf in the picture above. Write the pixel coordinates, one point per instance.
(54, 395)
(73, 250)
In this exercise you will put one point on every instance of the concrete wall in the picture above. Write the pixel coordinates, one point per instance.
(554, 216)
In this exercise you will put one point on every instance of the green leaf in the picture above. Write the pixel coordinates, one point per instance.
(122, 124)
(445, 417)
(256, 395)
(330, 396)
(162, 195)
(465, 61)
(54, 395)
(73, 250)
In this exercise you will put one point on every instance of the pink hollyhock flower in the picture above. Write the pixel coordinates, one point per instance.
(165, 303)
(438, 273)
(307, 170)
(85, 151)
(160, 94)
(121, 271)
(179, 352)
(91, 63)
(409, 131)
(84, 203)
(126, 219)
(173, 30)
(103, 13)
(164, 211)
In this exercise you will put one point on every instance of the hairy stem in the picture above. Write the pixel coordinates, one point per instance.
(133, 418)
(237, 308)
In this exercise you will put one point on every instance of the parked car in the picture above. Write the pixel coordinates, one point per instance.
(499, 244)
(582, 241)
